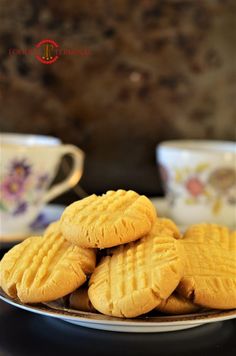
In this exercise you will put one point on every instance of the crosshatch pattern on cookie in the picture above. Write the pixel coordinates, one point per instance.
(210, 268)
(136, 277)
(213, 234)
(111, 219)
(86, 257)
(44, 268)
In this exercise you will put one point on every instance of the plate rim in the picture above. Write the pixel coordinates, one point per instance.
(189, 319)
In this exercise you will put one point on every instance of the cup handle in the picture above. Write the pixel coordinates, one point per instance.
(74, 176)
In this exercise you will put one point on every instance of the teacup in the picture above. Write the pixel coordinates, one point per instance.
(199, 179)
(28, 165)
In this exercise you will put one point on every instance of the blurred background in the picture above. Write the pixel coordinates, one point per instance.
(158, 70)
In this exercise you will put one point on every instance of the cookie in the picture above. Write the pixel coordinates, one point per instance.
(169, 225)
(176, 304)
(79, 300)
(160, 224)
(212, 234)
(45, 268)
(137, 276)
(87, 257)
(112, 219)
(210, 269)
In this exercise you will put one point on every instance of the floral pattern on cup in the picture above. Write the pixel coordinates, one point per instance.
(41, 222)
(164, 176)
(20, 185)
(201, 186)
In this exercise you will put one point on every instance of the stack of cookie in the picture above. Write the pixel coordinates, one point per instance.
(146, 264)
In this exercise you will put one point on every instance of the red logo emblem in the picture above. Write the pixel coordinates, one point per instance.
(48, 51)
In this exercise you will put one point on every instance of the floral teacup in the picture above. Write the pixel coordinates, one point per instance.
(28, 164)
(199, 178)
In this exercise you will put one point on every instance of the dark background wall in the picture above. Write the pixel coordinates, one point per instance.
(158, 70)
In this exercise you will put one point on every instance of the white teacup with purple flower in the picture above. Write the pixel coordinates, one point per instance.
(28, 165)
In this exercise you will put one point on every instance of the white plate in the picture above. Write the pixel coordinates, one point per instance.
(147, 324)
(49, 214)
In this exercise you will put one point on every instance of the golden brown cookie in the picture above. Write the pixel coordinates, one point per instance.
(170, 225)
(160, 224)
(137, 276)
(210, 269)
(112, 219)
(212, 234)
(176, 304)
(45, 268)
(79, 300)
